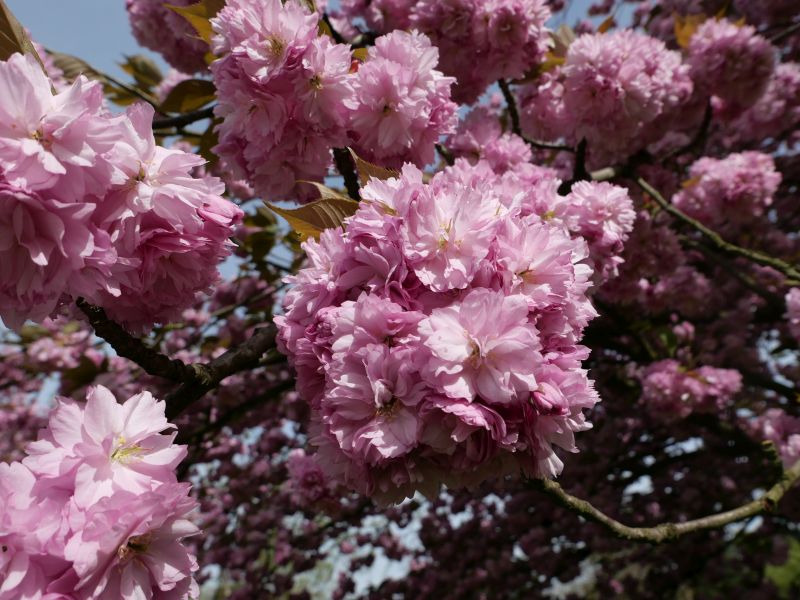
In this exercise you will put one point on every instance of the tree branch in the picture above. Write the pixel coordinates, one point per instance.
(712, 236)
(209, 375)
(184, 119)
(347, 168)
(670, 531)
(513, 113)
(127, 346)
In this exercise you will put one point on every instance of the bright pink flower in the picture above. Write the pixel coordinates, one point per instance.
(780, 428)
(484, 345)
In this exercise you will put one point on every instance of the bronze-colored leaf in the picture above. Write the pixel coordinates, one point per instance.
(213, 7)
(144, 71)
(367, 170)
(13, 37)
(607, 24)
(685, 27)
(198, 17)
(189, 95)
(324, 191)
(312, 219)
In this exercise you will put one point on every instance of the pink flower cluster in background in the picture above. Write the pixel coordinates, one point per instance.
(671, 391)
(730, 62)
(729, 193)
(159, 28)
(436, 337)
(91, 207)
(479, 41)
(617, 90)
(95, 510)
(286, 103)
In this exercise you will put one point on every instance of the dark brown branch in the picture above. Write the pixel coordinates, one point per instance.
(207, 376)
(184, 119)
(347, 168)
(127, 346)
(717, 241)
(445, 154)
(337, 37)
(579, 172)
(511, 104)
(669, 531)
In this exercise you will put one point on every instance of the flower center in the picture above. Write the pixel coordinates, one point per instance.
(138, 544)
(316, 82)
(125, 453)
(276, 46)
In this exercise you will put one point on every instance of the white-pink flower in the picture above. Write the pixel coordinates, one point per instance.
(101, 447)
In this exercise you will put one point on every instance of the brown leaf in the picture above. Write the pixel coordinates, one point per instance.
(198, 16)
(312, 219)
(367, 170)
(13, 37)
(144, 71)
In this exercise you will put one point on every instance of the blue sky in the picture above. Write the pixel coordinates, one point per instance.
(95, 30)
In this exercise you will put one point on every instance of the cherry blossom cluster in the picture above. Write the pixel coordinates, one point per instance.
(729, 193)
(616, 90)
(95, 510)
(436, 337)
(91, 207)
(479, 42)
(671, 391)
(780, 428)
(286, 103)
(159, 28)
(480, 136)
(730, 62)
(793, 312)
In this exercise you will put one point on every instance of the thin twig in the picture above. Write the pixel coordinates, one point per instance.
(753, 255)
(209, 375)
(670, 531)
(184, 119)
(445, 154)
(127, 346)
(786, 32)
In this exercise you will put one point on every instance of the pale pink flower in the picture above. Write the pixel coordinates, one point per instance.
(130, 547)
(369, 407)
(101, 447)
(483, 345)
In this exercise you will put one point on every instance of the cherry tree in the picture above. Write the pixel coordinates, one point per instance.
(403, 298)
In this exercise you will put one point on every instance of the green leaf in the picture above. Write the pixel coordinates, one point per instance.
(312, 219)
(198, 16)
(143, 70)
(367, 170)
(13, 37)
(786, 577)
(189, 95)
